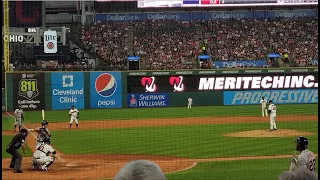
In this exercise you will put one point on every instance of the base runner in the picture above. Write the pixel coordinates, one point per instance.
(18, 114)
(41, 157)
(264, 109)
(74, 116)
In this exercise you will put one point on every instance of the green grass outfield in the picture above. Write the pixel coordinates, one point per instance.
(192, 141)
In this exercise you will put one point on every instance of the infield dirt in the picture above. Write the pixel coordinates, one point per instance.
(94, 166)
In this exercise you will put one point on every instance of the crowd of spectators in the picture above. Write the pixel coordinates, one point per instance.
(172, 44)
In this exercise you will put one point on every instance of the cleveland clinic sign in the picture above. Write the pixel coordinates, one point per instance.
(257, 82)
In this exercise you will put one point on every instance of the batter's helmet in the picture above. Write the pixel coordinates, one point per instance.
(44, 122)
(302, 143)
(270, 101)
(46, 140)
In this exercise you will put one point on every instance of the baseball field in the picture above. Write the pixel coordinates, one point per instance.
(204, 143)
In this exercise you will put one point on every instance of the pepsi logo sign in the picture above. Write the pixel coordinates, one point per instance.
(177, 84)
(106, 85)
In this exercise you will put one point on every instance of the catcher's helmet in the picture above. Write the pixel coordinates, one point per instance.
(302, 142)
(46, 140)
(44, 122)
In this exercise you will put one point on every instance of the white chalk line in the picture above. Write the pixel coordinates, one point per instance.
(35, 136)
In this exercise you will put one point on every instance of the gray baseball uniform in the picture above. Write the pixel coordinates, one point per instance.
(18, 117)
(306, 159)
(43, 133)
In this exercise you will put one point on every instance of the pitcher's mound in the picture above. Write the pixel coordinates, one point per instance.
(266, 133)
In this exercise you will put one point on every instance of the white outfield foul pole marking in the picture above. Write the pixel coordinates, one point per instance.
(35, 137)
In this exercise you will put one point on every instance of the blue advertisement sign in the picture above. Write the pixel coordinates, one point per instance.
(297, 96)
(147, 100)
(187, 16)
(239, 63)
(105, 90)
(67, 89)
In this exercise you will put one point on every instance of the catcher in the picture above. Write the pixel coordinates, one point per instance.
(41, 157)
(306, 159)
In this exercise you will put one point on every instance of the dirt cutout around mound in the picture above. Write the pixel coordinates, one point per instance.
(266, 133)
(93, 166)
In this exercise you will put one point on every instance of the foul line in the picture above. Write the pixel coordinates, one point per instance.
(35, 136)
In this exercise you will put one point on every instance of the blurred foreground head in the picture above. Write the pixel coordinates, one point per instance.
(298, 174)
(140, 170)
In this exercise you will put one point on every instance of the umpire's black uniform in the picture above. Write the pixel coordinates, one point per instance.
(13, 147)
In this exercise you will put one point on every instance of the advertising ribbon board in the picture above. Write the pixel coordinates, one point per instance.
(28, 91)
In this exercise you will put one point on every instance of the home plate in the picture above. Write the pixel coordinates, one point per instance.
(74, 164)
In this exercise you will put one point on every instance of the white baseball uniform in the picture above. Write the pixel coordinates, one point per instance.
(306, 159)
(73, 115)
(189, 103)
(18, 113)
(40, 156)
(273, 114)
(264, 109)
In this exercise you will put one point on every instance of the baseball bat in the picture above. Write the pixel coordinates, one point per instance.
(42, 114)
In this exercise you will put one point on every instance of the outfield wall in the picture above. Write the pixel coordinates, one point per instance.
(134, 89)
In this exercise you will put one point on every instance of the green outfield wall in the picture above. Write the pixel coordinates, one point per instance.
(145, 89)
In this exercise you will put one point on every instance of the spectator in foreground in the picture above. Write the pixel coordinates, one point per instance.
(140, 170)
(298, 174)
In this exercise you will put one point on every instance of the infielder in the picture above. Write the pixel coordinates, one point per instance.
(306, 159)
(264, 110)
(74, 115)
(189, 103)
(273, 113)
(43, 132)
(18, 113)
(41, 157)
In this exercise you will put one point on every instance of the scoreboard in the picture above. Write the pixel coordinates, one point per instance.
(222, 3)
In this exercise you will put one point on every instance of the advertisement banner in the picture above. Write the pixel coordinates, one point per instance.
(187, 16)
(214, 83)
(67, 89)
(147, 100)
(292, 13)
(28, 91)
(223, 71)
(105, 90)
(239, 63)
(297, 96)
(50, 42)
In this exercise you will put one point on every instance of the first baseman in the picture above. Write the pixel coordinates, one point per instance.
(273, 113)
(74, 115)
(18, 114)
(264, 110)
(189, 103)
(306, 159)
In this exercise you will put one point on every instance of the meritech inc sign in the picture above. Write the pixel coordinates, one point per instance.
(257, 82)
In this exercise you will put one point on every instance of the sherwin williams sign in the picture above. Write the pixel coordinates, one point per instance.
(105, 90)
(147, 100)
(298, 96)
(67, 89)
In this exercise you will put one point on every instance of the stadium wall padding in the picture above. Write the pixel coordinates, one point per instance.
(34, 90)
